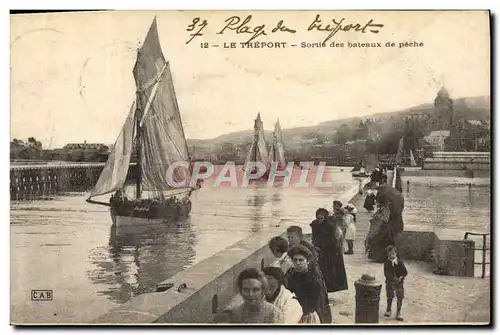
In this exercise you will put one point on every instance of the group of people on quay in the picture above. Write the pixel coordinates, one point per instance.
(295, 287)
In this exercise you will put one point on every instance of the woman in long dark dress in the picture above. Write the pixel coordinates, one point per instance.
(391, 229)
(305, 284)
(374, 238)
(327, 237)
(296, 238)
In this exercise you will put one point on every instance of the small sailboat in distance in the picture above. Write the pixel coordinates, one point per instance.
(258, 149)
(154, 127)
(413, 162)
(278, 149)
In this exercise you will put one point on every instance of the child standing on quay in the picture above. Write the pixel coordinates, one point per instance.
(350, 231)
(369, 201)
(395, 273)
(352, 210)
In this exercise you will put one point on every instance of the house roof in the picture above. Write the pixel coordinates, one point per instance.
(439, 133)
(475, 122)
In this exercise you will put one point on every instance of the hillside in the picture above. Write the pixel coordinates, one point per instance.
(471, 108)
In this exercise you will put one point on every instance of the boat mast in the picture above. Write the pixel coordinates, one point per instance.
(274, 149)
(256, 141)
(138, 118)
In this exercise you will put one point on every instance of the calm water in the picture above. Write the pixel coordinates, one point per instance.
(69, 246)
(446, 209)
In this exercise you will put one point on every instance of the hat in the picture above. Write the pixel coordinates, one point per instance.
(323, 211)
(351, 208)
(275, 272)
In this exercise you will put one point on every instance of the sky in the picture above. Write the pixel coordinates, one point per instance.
(71, 73)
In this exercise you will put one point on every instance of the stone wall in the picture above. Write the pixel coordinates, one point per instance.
(446, 173)
(448, 257)
(454, 258)
(445, 165)
(476, 161)
(416, 245)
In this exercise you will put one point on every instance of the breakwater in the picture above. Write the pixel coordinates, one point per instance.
(473, 161)
(29, 182)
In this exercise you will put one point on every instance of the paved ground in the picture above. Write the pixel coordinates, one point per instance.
(429, 298)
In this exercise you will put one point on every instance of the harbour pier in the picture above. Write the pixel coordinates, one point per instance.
(29, 182)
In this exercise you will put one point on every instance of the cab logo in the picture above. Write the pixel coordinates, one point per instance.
(41, 295)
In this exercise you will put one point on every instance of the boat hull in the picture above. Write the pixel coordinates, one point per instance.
(135, 214)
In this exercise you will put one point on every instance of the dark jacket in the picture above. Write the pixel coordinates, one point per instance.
(323, 233)
(369, 202)
(307, 289)
(391, 272)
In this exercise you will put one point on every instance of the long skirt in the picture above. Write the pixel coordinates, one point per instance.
(310, 318)
(331, 263)
(323, 307)
(378, 244)
(373, 231)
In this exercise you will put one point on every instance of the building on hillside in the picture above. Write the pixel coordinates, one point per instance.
(86, 146)
(443, 111)
(437, 138)
(84, 152)
(469, 135)
(356, 150)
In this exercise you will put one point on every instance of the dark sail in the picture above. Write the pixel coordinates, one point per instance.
(278, 150)
(162, 136)
(258, 151)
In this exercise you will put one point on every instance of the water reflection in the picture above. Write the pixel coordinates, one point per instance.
(139, 257)
(256, 201)
(276, 201)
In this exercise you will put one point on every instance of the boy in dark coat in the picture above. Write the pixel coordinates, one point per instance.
(395, 273)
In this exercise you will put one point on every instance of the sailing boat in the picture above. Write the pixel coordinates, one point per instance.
(278, 150)
(413, 162)
(258, 150)
(154, 127)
